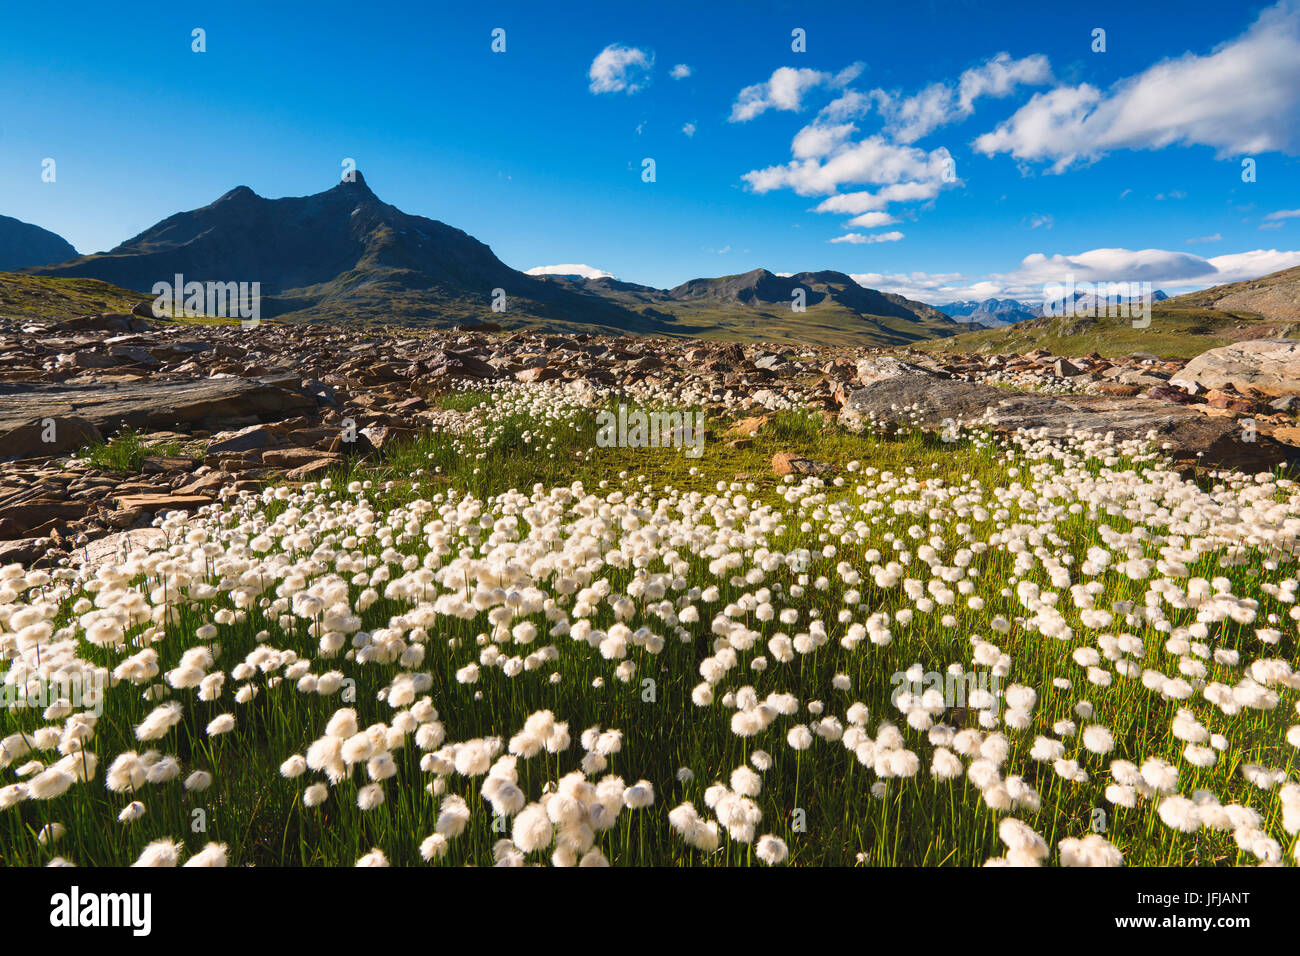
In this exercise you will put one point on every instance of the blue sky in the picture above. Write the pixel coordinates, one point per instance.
(957, 150)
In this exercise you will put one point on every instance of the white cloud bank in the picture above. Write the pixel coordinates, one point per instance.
(1241, 98)
(570, 269)
(1169, 270)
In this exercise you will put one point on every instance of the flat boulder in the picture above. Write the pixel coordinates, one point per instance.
(47, 436)
(877, 368)
(147, 404)
(939, 404)
(1267, 366)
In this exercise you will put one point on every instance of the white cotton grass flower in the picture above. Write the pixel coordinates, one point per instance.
(221, 724)
(163, 852)
(1098, 739)
(212, 855)
(434, 847)
(532, 829)
(160, 720)
(1091, 850)
(375, 858)
(771, 850)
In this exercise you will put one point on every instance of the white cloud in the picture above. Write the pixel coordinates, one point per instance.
(784, 90)
(1164, 269)
(871, 220)
(680, 72)
(1251, 265)
(873, 161)
(1241, 98)
(858, 239)
(621, 68)
(939, 104)
(817, 139)
(1284, 214)
(1216, 237)
(689, 129)
(570, 269)
(860, 202)
(828, 153)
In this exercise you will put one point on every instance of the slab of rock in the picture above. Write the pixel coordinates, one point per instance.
(113, 547)
(295, 457)
(28, 440)
(790, 463)
(146, 404)
(877, 368)
(451, 364)
(1269, 366)
(937, 404)
(246, 439)
(19, 518)
(160, 502)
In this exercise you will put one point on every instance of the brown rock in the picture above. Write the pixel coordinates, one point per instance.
(295, 457)
(161, 502)
(69, 433)
(788, 463)
(311, 468)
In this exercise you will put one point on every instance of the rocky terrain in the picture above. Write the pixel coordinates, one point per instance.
(214, 410)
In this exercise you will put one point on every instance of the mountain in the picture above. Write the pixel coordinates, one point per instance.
(1090, 303)
(990, 313)
(1274, 296)
(22, 244)
(343, 255)
(758, 305)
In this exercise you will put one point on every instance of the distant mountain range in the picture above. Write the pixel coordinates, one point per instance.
(759, 304)
(990, 313)
(344, 255)
(22, 244)
(999, 313)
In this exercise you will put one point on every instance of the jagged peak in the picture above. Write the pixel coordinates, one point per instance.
(356, 185)
(239, 192)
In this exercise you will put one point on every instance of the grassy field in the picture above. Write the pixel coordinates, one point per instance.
(503, 643)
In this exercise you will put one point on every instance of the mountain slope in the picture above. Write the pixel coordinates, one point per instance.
(1274, 296)
(758, 305)
(40, 297)
(22, 244)
(343, 255)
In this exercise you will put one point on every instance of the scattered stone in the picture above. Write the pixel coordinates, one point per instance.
(788, 463)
